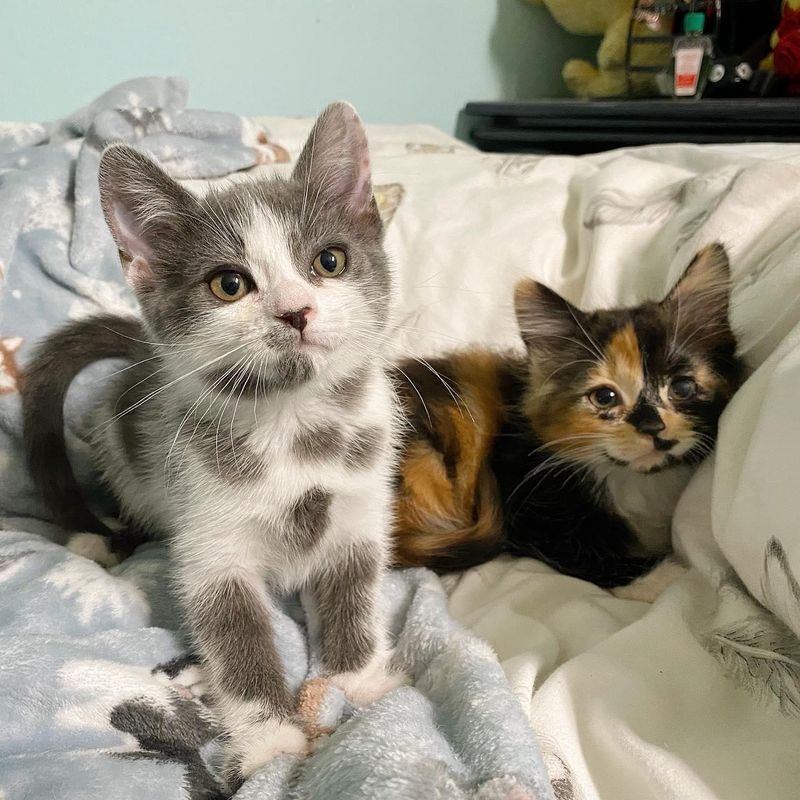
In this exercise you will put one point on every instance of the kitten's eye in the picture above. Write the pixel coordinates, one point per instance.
(682, 389)
(229, 286)
(604, 397)
(330, 262)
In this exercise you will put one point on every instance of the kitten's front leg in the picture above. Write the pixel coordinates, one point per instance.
(345, 612)
(230, 622)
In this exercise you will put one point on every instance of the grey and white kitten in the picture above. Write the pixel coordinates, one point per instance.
(256, 426)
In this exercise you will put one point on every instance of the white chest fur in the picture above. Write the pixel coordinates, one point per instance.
(647, 501)
(301, 446)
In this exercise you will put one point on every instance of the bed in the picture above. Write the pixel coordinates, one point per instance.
(694, 696)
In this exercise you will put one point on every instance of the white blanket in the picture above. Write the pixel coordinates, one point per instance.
(697, 696)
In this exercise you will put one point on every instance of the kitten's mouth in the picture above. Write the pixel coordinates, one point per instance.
(654, 461)
(302, 342)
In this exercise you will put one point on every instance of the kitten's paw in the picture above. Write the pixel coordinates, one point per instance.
(365, 686)
(93, 546)
(265, 741)
(648, 588)
(189, 682)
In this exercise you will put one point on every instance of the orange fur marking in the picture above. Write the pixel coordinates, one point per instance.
(622, 367)
(437, 513)
(573, 421)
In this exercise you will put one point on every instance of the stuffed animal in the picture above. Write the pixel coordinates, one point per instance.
(784, 59)
(609, 19)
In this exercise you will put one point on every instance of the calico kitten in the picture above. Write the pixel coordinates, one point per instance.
(255, 426)
(577, 454)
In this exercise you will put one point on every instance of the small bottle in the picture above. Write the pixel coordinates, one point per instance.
(691, 53)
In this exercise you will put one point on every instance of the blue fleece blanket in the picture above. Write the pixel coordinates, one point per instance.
(99, 694)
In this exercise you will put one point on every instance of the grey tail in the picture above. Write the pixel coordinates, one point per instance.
(47, 377)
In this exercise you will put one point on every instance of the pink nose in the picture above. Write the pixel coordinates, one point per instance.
(297, 319)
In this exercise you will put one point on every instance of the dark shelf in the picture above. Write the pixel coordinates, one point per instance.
(586, 126)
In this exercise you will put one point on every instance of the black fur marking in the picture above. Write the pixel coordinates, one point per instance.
(555, 516)
(175, 666)
(233, 632)
(134, 391)
(323, 441)
(645, 418)
(417, 382)
(309, 518)
(345, 600)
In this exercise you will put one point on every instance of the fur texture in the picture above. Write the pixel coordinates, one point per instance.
(577, 454)
(255, 427)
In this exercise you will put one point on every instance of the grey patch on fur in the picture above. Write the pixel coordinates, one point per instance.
(309, 518)
(310, 226)
(234, 634)
(226, 381)
(289, 371)
(230, 456)
(54, 364)
(761, 655)
(367, 266)
(170, 735)
(345, 601)
(323, 441)
(350, 390)
(186, 234)
(363, 447)
(134, 393)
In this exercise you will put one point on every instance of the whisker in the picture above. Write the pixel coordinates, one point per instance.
(594, 344)
(413, 386)
(205, 393)
(162, 388)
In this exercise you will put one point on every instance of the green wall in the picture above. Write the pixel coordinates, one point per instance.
(401, 61)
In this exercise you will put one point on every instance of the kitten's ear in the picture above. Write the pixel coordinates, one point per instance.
(543, 316)
(335, 164)
(143, 206)
(704, 289)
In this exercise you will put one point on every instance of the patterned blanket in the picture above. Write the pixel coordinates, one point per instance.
(100, 696)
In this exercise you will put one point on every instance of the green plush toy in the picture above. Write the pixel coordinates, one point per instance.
(609, 19)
